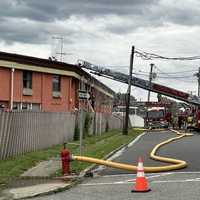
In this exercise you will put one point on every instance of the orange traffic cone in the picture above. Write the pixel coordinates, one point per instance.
(141, 184)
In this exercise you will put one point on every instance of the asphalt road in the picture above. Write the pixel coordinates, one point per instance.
(141, 148)
(164, 187)
(186, 149)
(117, 184)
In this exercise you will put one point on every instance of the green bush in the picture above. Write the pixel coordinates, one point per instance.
(88, 120)
(107, 126)
(76, 132)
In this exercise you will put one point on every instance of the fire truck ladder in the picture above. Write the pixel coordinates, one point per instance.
(141, 83)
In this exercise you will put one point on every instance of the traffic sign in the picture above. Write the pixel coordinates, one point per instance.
(83, 94)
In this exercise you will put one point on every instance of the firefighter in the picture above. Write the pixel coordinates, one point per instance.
(180, 121)
(189, 121)
(174, 121)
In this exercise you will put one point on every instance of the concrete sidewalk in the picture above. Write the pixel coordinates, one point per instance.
(44, 168)
(37, 181)
(35, 190)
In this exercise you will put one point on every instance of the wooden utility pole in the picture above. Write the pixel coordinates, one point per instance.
(198, 76)
(150, 80)
(81, 119)
(125, 130)
(199, 82)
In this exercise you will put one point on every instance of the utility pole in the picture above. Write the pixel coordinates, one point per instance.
(150, 80)
(199, 82)
(198, 76)
(81, 120)
(125, 130)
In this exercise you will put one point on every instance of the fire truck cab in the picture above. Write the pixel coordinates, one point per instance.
(156, 117)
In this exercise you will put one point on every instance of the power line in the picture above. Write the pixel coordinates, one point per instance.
(169, 73)
(189, 79)
(178, 72)
(166, 77)
(150, 56)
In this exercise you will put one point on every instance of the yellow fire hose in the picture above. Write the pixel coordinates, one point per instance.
(176, 164)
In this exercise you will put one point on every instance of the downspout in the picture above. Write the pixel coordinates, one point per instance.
(42, 93)
(12, 88)
(70, 96)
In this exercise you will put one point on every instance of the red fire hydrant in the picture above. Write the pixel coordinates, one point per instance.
(65, 158)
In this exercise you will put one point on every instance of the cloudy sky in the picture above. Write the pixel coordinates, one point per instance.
(103, 31)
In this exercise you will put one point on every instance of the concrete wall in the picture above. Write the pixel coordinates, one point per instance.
(136, 121)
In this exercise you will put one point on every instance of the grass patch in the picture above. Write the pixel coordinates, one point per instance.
(94, 146)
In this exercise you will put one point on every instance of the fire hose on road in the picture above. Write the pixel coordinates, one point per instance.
(175, 164)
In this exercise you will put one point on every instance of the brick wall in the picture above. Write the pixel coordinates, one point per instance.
(4, 84)
(42, 91)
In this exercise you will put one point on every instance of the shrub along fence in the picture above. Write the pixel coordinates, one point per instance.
(22, 132)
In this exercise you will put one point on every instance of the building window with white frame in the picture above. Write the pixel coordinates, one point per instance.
(56, 86)
(27, 79)
(27, 83)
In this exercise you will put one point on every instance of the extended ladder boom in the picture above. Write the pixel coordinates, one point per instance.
(141, 83)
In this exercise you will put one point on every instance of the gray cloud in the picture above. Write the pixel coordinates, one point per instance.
(31, 21)
(41, 16)
(47, 10)
(185, 13)
(26, 31)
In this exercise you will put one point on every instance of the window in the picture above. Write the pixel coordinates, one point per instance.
(25, 106)
(27, 83)
(16, 106)
(56, 83)
(27, 79)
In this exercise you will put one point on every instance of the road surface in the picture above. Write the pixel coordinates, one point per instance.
(116, 184)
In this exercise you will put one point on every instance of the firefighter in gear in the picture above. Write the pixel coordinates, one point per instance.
(189, 121)
(174, 121)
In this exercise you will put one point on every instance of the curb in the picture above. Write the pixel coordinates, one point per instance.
(87, 172)
(157, 130)
(9, 196)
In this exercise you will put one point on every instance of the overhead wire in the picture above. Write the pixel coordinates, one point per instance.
(170, 76)
(165, 77)
(190, 78)
(150, 56)
(171, 73)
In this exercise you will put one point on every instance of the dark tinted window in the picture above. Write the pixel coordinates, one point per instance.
(155, 114)
(56, 83)
(27, 79)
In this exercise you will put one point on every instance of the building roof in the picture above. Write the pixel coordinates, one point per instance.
(49, 63)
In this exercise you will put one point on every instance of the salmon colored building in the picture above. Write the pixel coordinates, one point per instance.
(35, 84)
